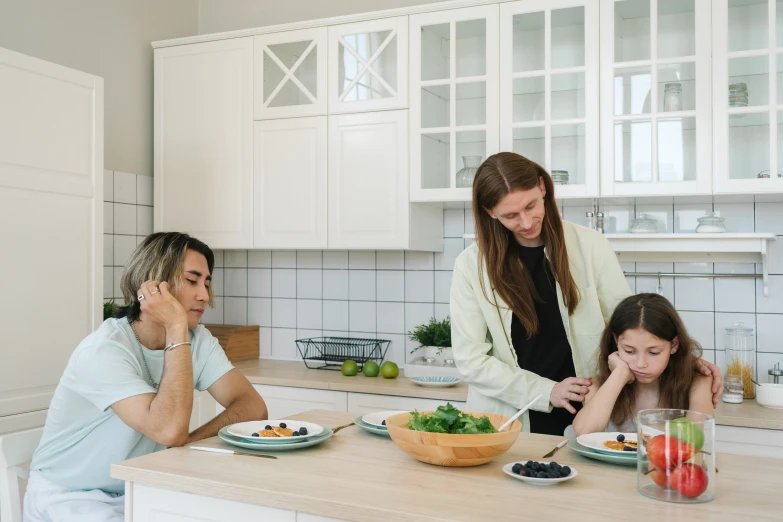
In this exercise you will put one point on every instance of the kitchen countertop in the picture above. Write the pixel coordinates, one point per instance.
(295, 374)
(358, 476)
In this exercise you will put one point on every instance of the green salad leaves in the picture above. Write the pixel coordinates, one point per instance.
(448, 419)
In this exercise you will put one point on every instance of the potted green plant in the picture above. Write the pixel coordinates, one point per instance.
(434, 338)
(109, 309)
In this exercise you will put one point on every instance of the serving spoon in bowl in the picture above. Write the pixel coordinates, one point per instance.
(520, 412)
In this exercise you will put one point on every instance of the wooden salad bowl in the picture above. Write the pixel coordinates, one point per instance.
(446, 449)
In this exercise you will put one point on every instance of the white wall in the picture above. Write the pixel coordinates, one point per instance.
(219, 15)
(110, 39)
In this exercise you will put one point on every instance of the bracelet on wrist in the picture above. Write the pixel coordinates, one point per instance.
(171, 346)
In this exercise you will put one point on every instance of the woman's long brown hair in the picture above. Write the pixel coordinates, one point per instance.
(498, 176)
(656, 315)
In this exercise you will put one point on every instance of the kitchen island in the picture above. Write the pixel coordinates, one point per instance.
(358, 476)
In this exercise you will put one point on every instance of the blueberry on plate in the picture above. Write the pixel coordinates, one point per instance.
(620, 438)
(302, 431)
(628, 448)
(295, 434)
(267, 427)
(541, 474)
(283, 425)
(565, 471)
(516, 468)
(383, 423)
(255, 435)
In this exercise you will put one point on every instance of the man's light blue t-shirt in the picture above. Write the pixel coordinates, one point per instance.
(83, 436)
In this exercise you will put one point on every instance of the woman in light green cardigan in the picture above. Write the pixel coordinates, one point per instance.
(530, 299)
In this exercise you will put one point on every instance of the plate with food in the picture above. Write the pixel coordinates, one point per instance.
(539, 473)
(378, 419)
(621, 459)
(274, 446)
(378, 430)
(275, 431)
(610, 442)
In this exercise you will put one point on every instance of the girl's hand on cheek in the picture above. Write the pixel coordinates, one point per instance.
(617, 364)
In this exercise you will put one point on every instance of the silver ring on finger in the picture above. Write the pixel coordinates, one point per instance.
(140, 296)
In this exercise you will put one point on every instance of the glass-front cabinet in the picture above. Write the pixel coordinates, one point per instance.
(453, 100)
(549, 87)
(289, 73)
(655, 97)
(748, 94)
(368, 66)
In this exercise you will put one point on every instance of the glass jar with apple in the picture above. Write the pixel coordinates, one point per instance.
(676, 455)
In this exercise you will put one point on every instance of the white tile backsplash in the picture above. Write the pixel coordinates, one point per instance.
(385, 294)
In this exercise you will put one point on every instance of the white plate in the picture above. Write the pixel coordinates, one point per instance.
(377, 418)
(245, 430)
(537, 481)
(596, 440)
(435, 382)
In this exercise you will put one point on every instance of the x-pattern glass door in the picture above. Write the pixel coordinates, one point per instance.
(368, 65)
(290, 74)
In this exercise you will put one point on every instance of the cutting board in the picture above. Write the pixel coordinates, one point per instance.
(239, 342)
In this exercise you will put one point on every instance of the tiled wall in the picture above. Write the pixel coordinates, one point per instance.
(127, 211)
(384, 294)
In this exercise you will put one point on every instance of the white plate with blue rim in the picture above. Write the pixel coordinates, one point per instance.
(436, 382)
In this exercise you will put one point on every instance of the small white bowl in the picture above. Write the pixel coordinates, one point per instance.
(770, 395)
(534, 480)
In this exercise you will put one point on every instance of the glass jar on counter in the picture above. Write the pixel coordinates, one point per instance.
(740, 344)
(733, 389)
(599, 222)
(643, 225)
(449, 363)
(590, 220)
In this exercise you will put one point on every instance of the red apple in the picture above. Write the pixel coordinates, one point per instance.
(666, 452)
(690, 480)
(660, 476)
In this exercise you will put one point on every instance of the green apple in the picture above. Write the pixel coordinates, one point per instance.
(687, 431)
(350, 368)
(371, 369)
(389, 370)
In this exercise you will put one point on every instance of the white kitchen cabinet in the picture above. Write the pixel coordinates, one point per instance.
(548, 84)
(368, 206)
(749, 441)
(368, 66)
(284, 401)
(51, 208)
(289, 183)
(454, 98)
(290, 74)
(204, 141)
(365, 403)
(656, 131)
(747, 37)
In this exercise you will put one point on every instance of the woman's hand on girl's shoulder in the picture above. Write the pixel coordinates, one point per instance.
(618, 365)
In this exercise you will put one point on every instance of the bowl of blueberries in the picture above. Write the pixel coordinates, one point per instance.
(539, 473)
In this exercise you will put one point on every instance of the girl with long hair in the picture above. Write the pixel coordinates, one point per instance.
(530, 298)
(646, 360)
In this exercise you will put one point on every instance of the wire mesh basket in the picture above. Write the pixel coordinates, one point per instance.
(329, 353)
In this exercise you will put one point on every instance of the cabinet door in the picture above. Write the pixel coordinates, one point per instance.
(368, 66)
(289, 183)
(454, 100)
(364, 403)
(203, 141)
(368, 186)
(748, 95)
(290, 74)
(655, 100)
(284, 401)
(51, 210)
(548, 72)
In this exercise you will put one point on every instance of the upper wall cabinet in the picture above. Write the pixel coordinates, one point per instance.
(655, 97)
(454, 100)
(204, 141)
(748, 93)
(290, 74)
(368, 66)
(548, 72)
